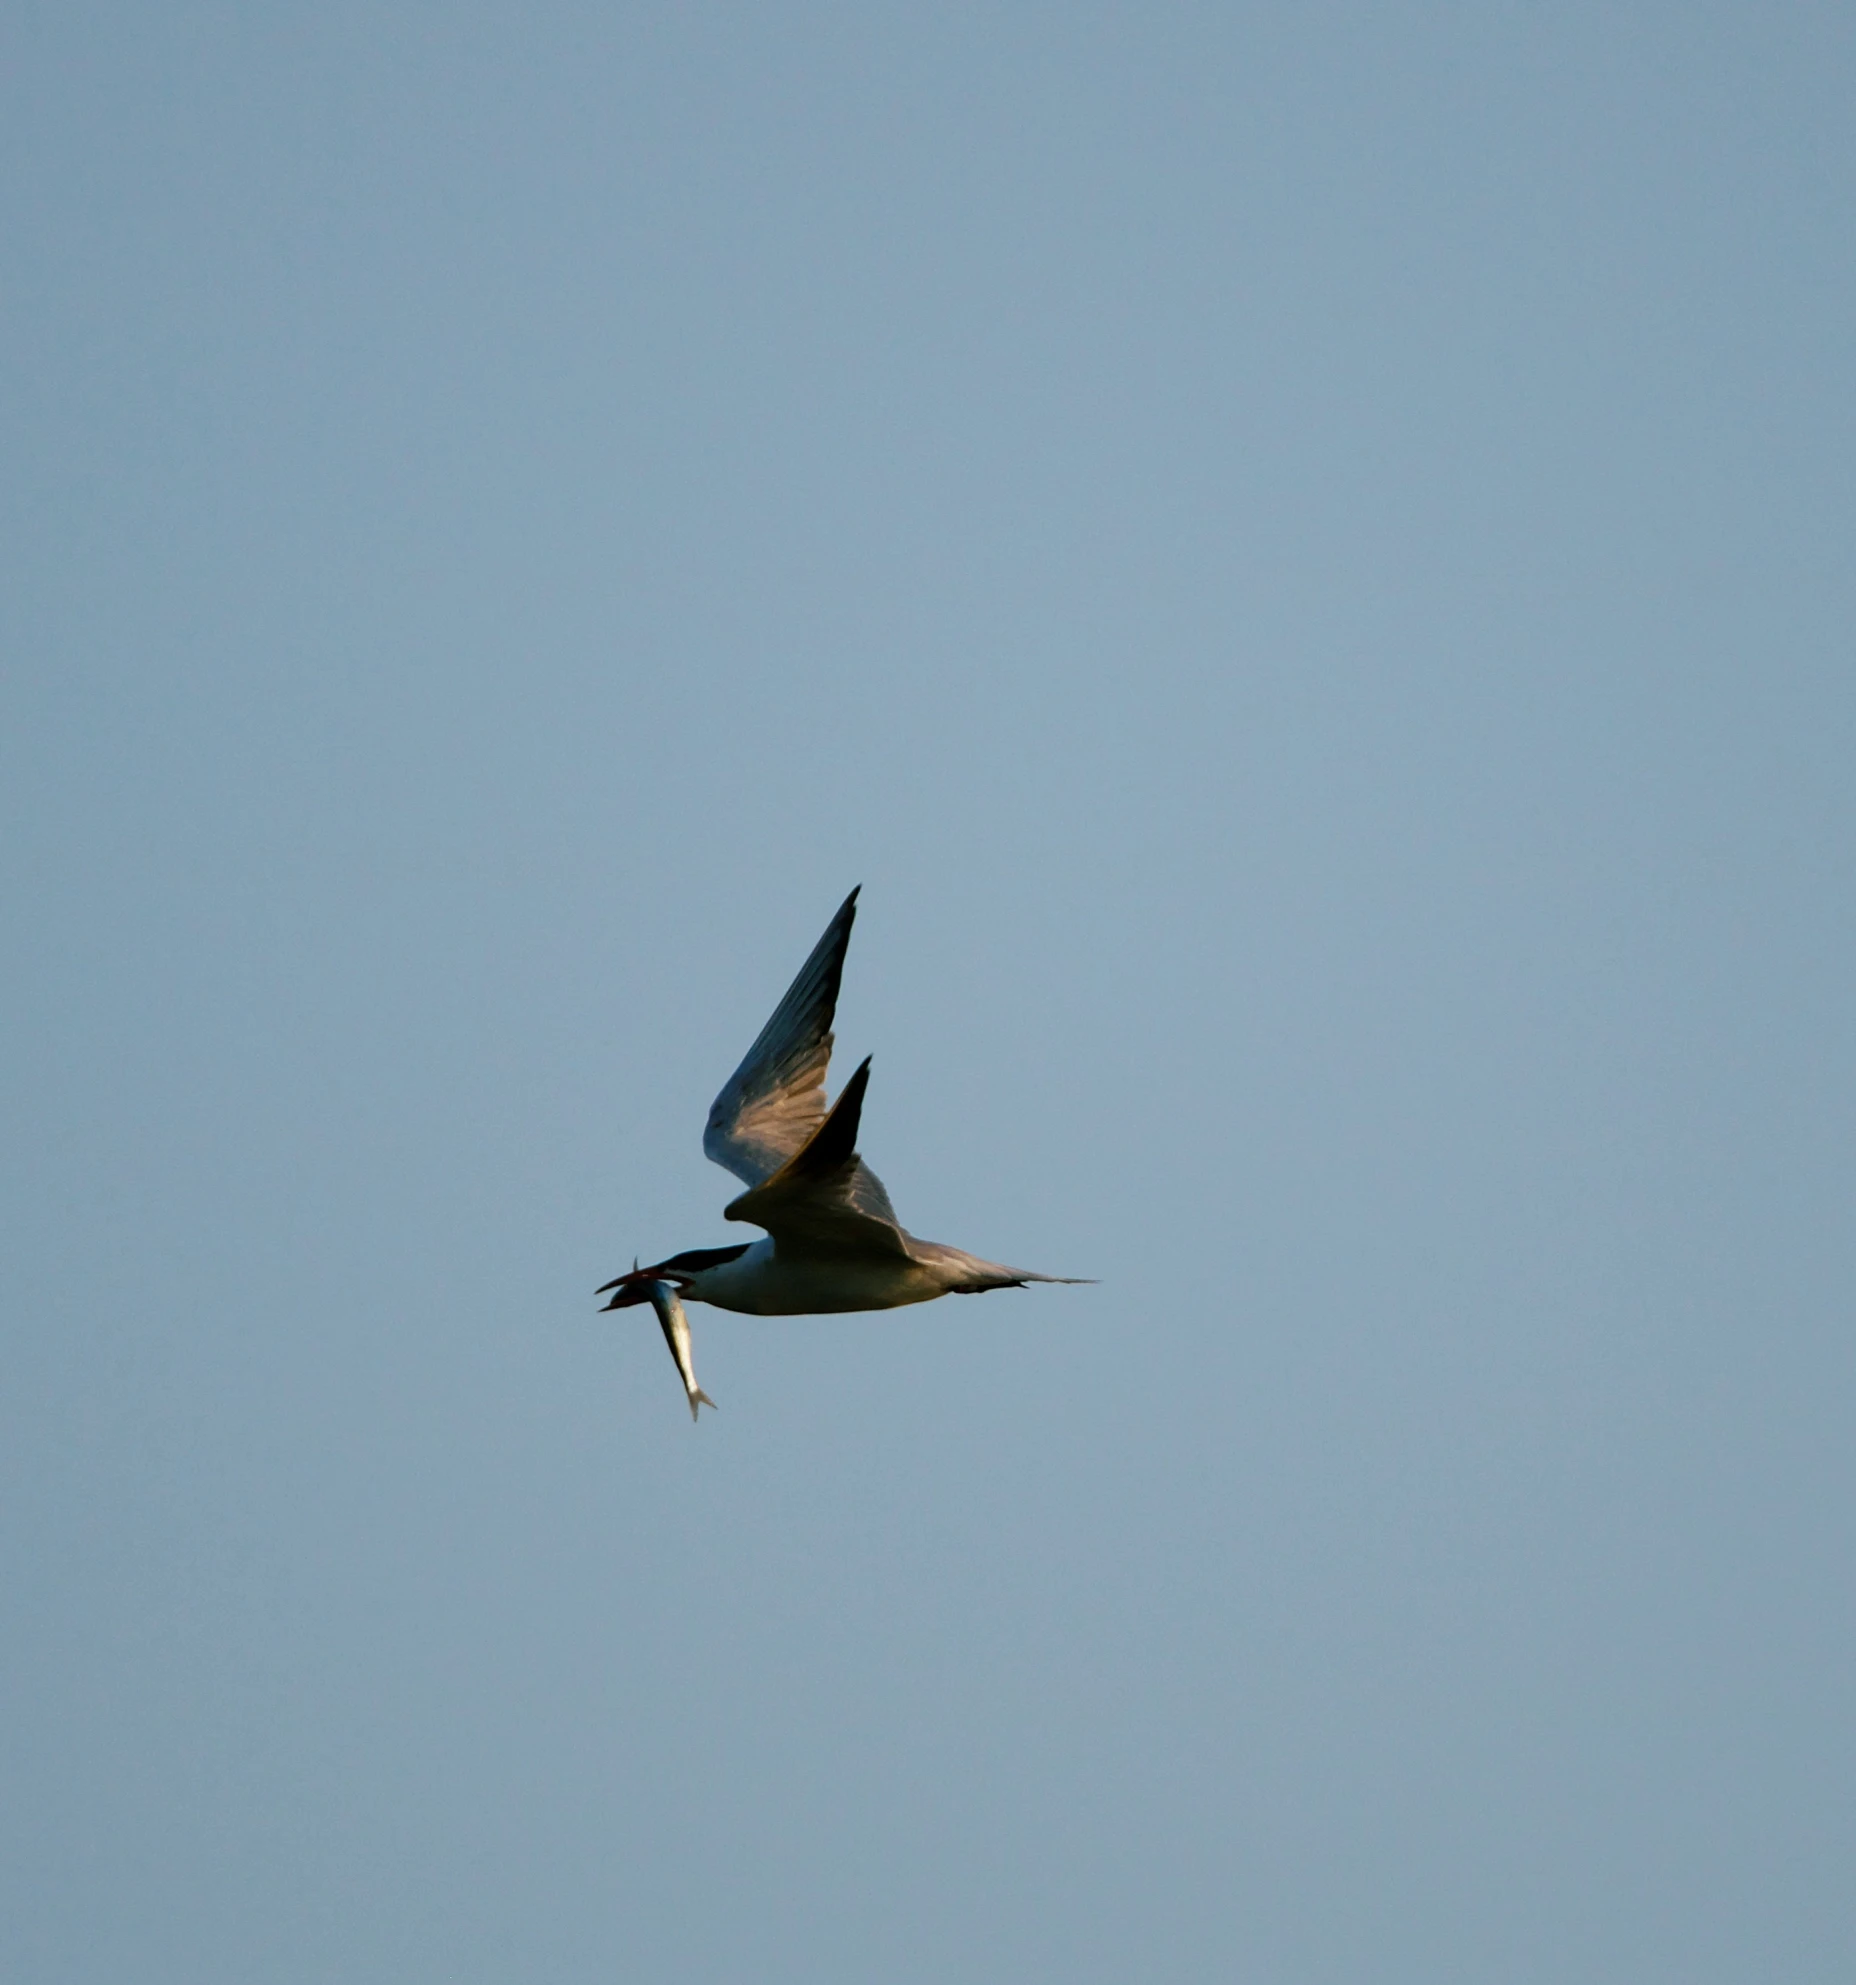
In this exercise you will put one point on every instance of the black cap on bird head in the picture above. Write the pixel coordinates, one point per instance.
(680, 1271)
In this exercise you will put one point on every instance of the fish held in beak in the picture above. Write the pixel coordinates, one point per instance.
(663, 1298)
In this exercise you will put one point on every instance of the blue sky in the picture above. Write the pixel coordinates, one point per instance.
(1302, 559)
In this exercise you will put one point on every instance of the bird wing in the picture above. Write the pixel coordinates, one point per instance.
(825, 1199)
(775, 1100)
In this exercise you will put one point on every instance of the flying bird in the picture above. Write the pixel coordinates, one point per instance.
(833, 1239)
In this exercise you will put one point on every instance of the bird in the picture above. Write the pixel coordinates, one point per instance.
(833, 1240)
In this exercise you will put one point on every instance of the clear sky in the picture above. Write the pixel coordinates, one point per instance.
(1302, 556)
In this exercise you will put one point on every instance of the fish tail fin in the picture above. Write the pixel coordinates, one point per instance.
(700, 1397)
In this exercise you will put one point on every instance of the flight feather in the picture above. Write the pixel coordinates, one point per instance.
(773, 1103)
(825, 1198)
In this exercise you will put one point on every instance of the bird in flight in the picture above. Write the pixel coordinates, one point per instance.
(833, 1239)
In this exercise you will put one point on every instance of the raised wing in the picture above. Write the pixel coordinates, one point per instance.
(775, 1100)
(825, 1199)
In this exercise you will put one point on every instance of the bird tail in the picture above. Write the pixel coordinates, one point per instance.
(963, 1274)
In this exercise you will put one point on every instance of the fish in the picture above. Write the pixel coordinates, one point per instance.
(669, 1307)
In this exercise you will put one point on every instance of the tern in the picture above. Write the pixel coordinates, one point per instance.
(833, 1240)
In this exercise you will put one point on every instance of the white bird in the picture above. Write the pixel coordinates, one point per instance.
(834, 1242)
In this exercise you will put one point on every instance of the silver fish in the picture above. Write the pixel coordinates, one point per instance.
(669, 1307)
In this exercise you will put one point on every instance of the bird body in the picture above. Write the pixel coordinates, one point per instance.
(763, 1281)
(833, 1240)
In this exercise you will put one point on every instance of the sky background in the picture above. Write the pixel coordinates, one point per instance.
(1302, 557)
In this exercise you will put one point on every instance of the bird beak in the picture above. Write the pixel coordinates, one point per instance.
(632, 1288)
